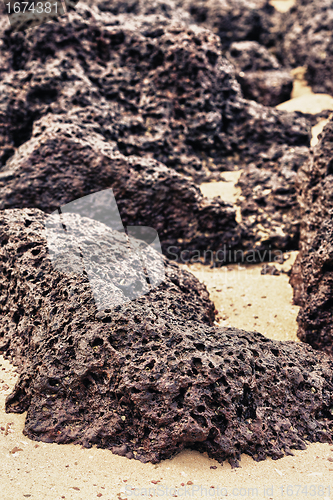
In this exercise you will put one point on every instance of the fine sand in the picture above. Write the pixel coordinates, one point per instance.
(245, 299)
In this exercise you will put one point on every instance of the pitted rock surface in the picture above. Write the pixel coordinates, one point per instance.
(261, 76)
(166, 8)
(306, 40)
(153, 84)
(146, 85)
(64, 161)
(312, 279)
(150, 377)
(311, 274)
(269, 206)
(237, 20)
(148, 193)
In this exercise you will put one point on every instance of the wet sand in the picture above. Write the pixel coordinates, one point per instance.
(245, 299)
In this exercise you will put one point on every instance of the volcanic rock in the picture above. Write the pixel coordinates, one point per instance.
(151, 84)
(150, 377)
(130, 91)
(312, 272)
(312, 279)
(237, 20)
(269, 206)
(165, 8)
(307, 40)
(261, 76)
(65, 160)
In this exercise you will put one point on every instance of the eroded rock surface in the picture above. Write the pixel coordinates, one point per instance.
(261, 76)
(64, 161)
(151, 83)
(237, 20)
(147, 378)
(138, 82)
(306, 40)
(312, 272)
(269, 206)
(150, 194)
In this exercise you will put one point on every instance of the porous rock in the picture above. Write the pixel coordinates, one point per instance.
(237, 20)
(261, 76)
(269, 206)
(306, 40)
(165, 8)
(147, 86)
(152, 84)
(65, 160)
(311, 275)
(147, 378)
(150, 194)
(312, 279)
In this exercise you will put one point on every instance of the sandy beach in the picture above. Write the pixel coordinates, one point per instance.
(244, 298)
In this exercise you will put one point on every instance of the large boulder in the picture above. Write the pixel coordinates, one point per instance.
(153, 85)
(307, 40)
(261, 76)
(64, 161)
(312, 272)
(97, 99)
(150, 376)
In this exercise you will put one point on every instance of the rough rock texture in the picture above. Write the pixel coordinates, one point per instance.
(165, 8)
(64, 161)
(148, 193)
(307, 40)
(237, 20)
(150, 377)
(151, 84)
(312, 272)
(312, 279)
(261, 76)
(269, 206)
(137, 82)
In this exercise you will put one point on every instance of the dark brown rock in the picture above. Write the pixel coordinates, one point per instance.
(237, 20)
(149, 377)
(64, 161)
(312, 279)
(312, 272)
(143, 85)
(261, 76)
(269, 206)
(270, 88)
(306, 40)
(149, 83)
(165, 8)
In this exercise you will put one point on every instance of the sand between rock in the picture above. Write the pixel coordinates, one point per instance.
(150, 377)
